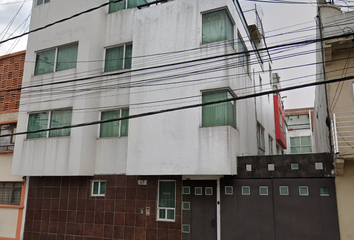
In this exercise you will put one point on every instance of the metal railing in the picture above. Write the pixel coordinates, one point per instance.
(343, 132)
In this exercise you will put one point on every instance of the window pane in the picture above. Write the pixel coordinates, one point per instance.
(37, 121)
(114, 7)
(60, 119)
(95, 187)
(6, 142)
(10, 193)
(170, 214)
(216, 27)
(295, 149)
(324, 191)
(128, 57)
(284, 190)
(303, 191)
(114, 59)
(263, 190)
(246, 190)
(110, 129)
(46, 1)
(103, 188)
(306, 149)
(162, 213)
(125, 123)
(67, 57)
(306, 141)
(167, 194)
(39, 2)
(215, 114)
(44, 62)
(135, 3)
(295, 141)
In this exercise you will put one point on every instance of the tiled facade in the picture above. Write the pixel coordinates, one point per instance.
(61, 208)
(11, 72)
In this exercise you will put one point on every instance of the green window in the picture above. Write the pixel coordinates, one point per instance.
(246, 190)
(39, 2)
(10, 193)
(324, 191)
(263, 190)
(51, 119)
(217, 26)
(270, 145)
(294, 166)
(229, 190)
(220, 113)
(98, 188)
(166, 200)
(243, 56)
(114, 7)
(284, 190)
(300, 144)
(260, 139)
(115, 128)
(303, 191)
(60, 58)
(118, 58)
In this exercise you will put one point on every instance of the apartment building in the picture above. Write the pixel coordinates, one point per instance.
(130, 179)
(334, 105)
(12, 188)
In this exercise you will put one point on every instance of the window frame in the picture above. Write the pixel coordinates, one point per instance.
(56, 49)
(166, 208)
(287, 190)
(124, 45)
(119, 135)
(301, 145)
(260, 138)
(13, 202)
(246, 187)
(13, 127)
(260, 190)
(99, 194)
(307, 191)
(47, 135)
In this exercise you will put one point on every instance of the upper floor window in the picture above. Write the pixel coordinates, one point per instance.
(118, 58)
(220, 113)
(56, 59)
(166, 200)
(260, 139)
(270, 145)
(114, 7)
(49, 119)
(244, 57)
(10, 193)
(217, 26)
(116, 128)
(300, 144)
(7, 143)
(39, 2)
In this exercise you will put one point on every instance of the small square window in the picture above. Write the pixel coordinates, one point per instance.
(208, 191)
(284, 190)
(98, 188)
(246, 190)
(324, 191)
(185, 206)
(319, 166)
(263, 190)
(186, 190)
(271, 167)
(229, 190)
(303, 191)
(248, 167)
(198, 191)
(185, 228)
(294, 166)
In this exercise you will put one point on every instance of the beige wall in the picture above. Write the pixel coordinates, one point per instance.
(5, 169)
(8, 222)
(8, 117)
(345, 201)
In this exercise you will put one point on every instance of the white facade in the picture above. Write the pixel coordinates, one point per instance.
(173, 143)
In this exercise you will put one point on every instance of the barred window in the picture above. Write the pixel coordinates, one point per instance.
(10, 193)
(7, 143)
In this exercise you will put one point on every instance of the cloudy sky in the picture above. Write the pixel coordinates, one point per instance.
(278, 21)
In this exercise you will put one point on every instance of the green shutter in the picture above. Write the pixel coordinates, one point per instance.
(114, 7)
(167, 194)
(114, 59)
(44, 62)
(128, 57)
(37, 121)
(67, 57)
(110, 129)
(125, 123)
(60, 119)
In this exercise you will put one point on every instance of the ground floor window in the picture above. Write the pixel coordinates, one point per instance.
(10, 193)
(166, 200)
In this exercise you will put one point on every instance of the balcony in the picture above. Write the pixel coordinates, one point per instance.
(343, 134)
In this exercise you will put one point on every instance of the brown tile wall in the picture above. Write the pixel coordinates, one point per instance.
(61, 208)
(11, 72)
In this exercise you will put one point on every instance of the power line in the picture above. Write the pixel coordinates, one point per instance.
(184, 107)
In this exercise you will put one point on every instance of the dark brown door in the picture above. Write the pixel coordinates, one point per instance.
(199, 210)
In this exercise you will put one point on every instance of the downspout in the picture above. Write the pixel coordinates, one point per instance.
(328, 119)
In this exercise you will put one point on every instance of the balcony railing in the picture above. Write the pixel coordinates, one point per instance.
(343, 133)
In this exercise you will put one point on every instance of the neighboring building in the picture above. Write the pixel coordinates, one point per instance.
(334, 106)
(12, 188)
(299, 123)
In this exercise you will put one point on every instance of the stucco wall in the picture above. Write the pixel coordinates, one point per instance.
(8, 222)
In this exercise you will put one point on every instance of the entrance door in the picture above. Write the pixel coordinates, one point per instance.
(199, 210)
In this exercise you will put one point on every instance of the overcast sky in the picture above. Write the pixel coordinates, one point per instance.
(274, 17)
